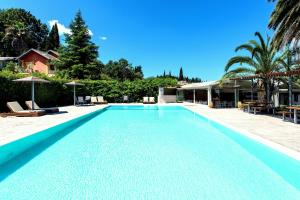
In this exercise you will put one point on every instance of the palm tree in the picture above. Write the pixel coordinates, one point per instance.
(262, 60)
(285, 20)
(291, 63)
(17, 34)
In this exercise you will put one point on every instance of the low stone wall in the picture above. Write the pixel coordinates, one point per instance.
(166, 99)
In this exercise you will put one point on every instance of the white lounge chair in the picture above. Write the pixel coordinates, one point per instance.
(36, 107)
(125, 99)
(145, 100)
(101, 100)
(18, 111)
(94, 100)
(151, 100)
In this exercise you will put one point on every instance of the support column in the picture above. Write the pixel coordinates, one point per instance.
(160, 95)
(74, 93)
(236, 94)
(290, 91)
(252, 86)
(268, 92)
(209, 97)
(276, 97)
(194, 96)
(32, 94)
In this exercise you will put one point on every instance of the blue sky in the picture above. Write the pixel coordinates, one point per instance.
(198, 35)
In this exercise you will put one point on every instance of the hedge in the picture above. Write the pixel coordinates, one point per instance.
(57, 94)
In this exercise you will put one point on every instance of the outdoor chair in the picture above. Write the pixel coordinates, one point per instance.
(145, 100)
(151, 100)
(80, 100)
(101, 100)
(18, 111)
(36, 107)
(125, 99)
(94, 100)
(87, 99)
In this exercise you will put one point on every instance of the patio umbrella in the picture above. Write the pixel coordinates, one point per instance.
(32, 80)
(73, 83)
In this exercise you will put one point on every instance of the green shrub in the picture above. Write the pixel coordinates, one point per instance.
(57, 94)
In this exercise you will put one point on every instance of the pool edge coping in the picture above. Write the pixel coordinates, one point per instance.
(30, 133)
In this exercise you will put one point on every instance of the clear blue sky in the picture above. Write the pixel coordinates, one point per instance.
(199, 35)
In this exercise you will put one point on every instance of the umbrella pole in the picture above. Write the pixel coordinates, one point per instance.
(32, 95)
(74, 95)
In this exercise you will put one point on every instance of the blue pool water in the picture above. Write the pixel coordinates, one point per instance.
(149, 152)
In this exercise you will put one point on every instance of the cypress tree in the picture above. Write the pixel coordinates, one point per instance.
(164, 75)
(78, 59)
(53, 39)
(180, 77)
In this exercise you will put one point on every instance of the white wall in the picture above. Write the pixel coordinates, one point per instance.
(166, 99)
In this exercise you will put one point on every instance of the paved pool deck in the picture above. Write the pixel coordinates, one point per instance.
(14, 128)
(283, 136)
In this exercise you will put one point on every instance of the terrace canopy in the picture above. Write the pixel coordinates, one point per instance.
(32, 80)
(74, 84)
(271, 75)
(208, 91)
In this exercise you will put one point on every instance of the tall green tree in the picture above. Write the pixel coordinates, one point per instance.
(285, 20)
(20, 31)
(138, 72)
(262, 59)
(180, 77)
(53, 42)
(78, 59)
(16, 35)
(122, 70)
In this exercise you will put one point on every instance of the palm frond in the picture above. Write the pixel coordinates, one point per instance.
(240, 59)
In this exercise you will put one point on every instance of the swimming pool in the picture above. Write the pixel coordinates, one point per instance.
(149, 152)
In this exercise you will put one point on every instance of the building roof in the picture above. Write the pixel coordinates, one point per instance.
(271, 74)
(201, 85)
(7, 58)
(53, 52)
(42, 53)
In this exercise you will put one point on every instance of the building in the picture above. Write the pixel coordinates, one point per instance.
(38, 61)
(229, 93)
(217, 94)
(5, 60)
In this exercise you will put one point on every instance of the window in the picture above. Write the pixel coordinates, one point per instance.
(51, 67)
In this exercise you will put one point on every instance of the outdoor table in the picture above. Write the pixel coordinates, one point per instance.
(249, 103)
(256, 107)
(295, 113)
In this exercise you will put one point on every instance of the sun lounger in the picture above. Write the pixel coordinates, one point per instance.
(87, 99)
(101, 100)
(151, 100)
(80, 100)
(94, 100)
(36, 107)
(18, 111)
(145, 100)
(125, 99)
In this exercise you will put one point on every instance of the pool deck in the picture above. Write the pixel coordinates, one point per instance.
(14, 128)
(269, 130)
(283, 136)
